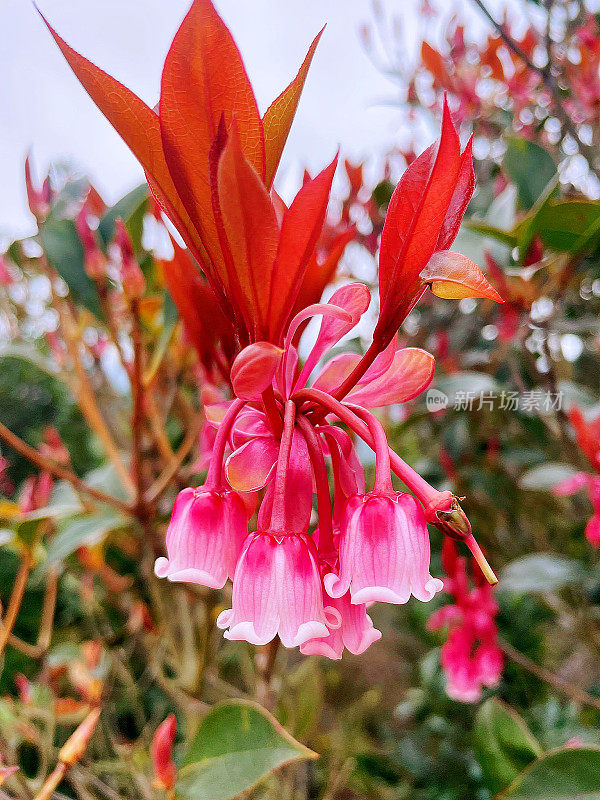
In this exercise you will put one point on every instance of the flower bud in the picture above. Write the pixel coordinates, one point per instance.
(162, 753)
(75, 746)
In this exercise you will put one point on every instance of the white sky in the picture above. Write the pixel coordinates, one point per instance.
(43, 107)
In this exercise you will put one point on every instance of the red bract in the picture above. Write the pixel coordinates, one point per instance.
(210, 161)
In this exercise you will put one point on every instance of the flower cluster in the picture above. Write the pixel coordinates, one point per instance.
(588, 439)
(471, 658)
(210, 160)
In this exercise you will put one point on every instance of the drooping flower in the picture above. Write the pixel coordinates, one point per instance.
(277, 590)
(204, 537)
(470, 657)
(588, 440)
(356, 631)
(383, 551)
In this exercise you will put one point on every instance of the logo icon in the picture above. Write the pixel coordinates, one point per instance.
(436, 400)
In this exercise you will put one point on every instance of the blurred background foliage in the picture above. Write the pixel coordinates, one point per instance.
(85, 623)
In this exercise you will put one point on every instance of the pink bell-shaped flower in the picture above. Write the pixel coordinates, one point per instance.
(356, 632)
(204, 537)
(384, 551)
(277, 589)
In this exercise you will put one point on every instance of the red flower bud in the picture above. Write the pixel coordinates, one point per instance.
(162, 753)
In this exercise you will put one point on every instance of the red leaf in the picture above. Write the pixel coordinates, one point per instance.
(278, 118)
(454, 276)
(204, 322)
(300, 230)
(251, 229)
(434, 63)
(414, 220)
(139, 127)
(461, 198)
(204, 81)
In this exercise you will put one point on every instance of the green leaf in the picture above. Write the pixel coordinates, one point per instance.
(486, 229)
(546, 476)
(84, 530)
(530, 168)
(131, 209)
(64, 250)
(503, 743)
(540, 572)
(237, 745)
(560, 225)
(570, 773)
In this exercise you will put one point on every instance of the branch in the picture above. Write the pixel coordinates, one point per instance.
(168, 473)
(573, 692)
(31, 454)
(550, 82)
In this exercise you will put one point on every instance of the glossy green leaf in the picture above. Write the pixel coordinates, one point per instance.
(560, 225)
(530, 168)
(565, 774)
(237, 745)
(64, 251)
(540, 572)
(503, 743)
(131, 209)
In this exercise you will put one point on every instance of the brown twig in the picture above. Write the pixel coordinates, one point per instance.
(16, 598)
(163, 480)
(49, 605)
(550, 82)
(31, 454)
(558, 683)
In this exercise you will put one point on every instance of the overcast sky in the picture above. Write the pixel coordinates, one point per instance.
(43, 107)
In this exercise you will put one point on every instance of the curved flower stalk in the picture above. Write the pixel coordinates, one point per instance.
(471, 657)
(210, 159)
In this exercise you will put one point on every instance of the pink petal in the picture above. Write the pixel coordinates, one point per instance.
(354, 299)
(249, 468)
(410, 373)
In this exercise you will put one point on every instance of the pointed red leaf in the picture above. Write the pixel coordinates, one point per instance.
(300, 230)
(251, 229)
(460, 199)
(454, 276)
(204, 81)
(204, 322)
(139, 127)
(414, 220)
(278, 118)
